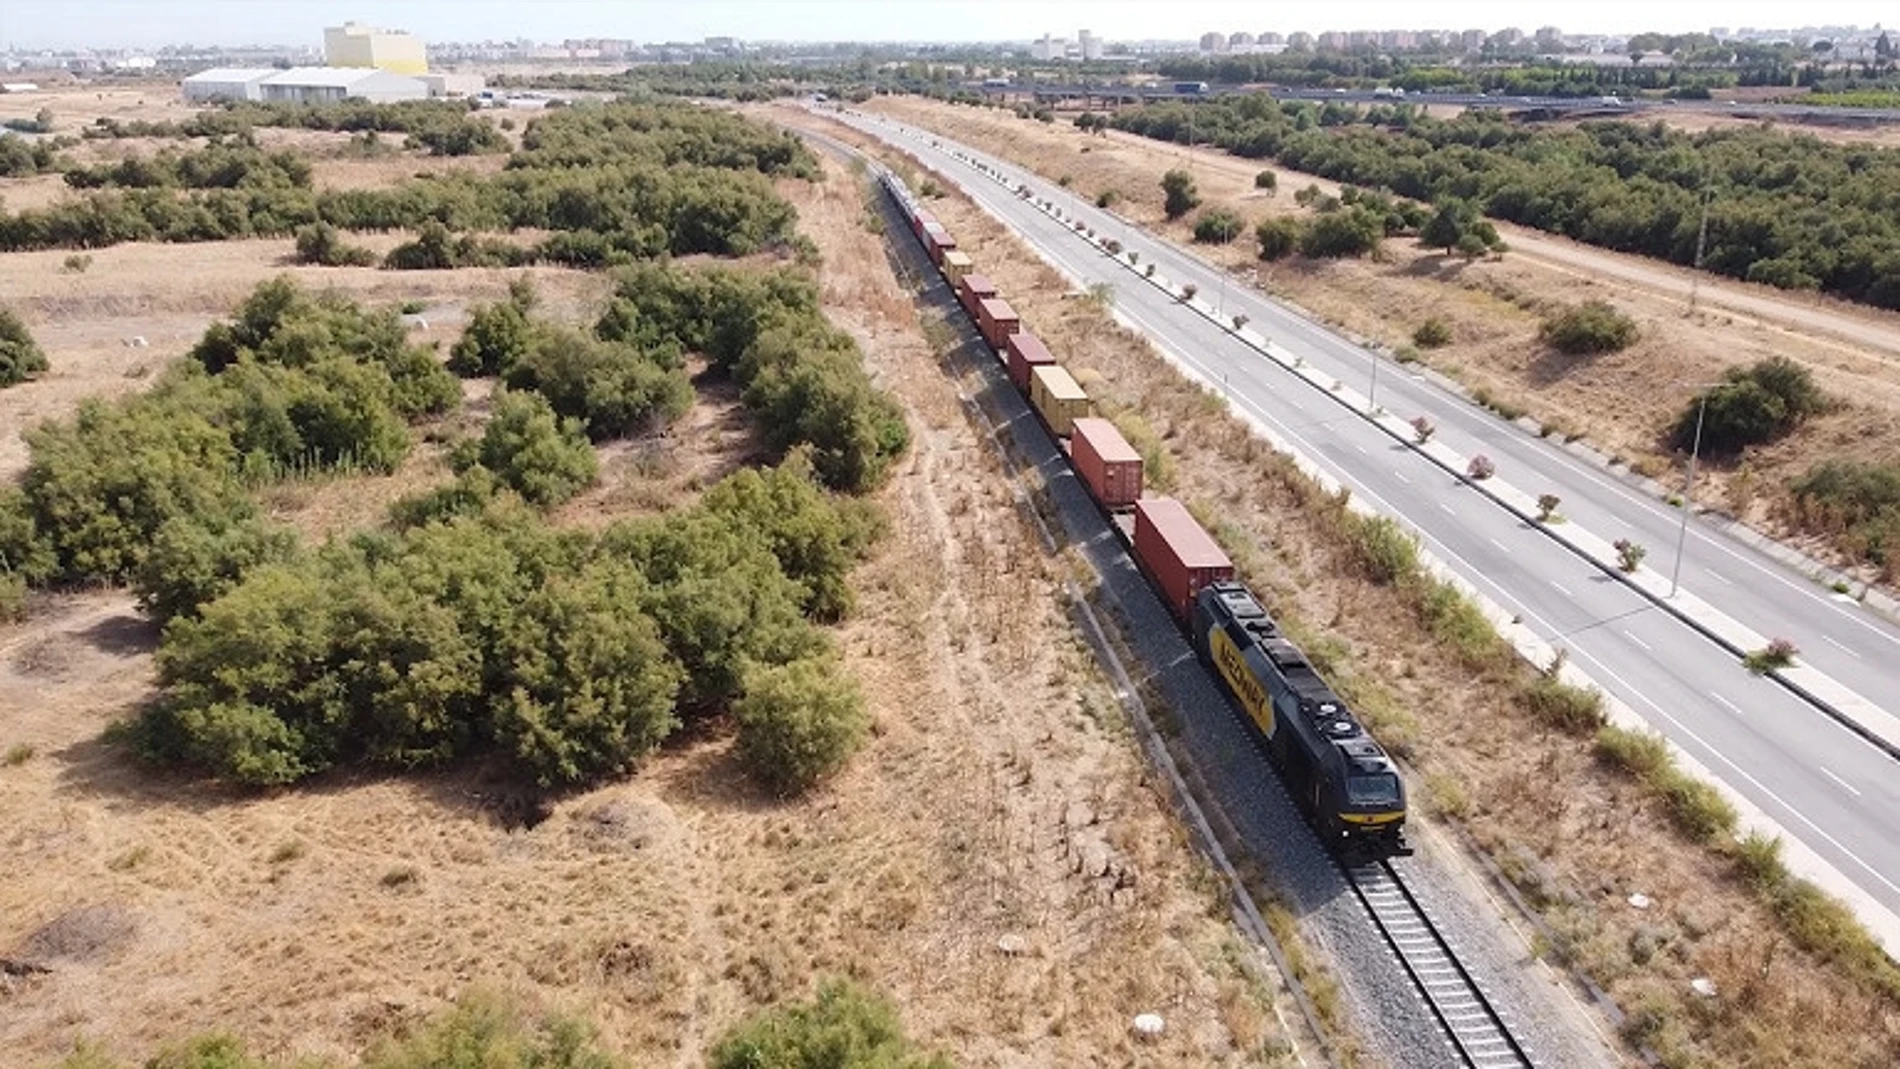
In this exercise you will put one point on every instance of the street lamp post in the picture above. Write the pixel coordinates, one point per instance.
(1372, 394)
(1688, 487)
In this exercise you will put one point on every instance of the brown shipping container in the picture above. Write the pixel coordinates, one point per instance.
(955, 265)
(975, 288)
(1058, 397)
(1174, 550)
(1109, 466)
(1025, 351)
(996, 321)
(940, 244)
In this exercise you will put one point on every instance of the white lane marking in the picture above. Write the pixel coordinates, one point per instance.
(1717, 576)
(1561, 590)
(1732, 706)
(1846, 786)
(1829, 639)
(1359, 447)
(1500, 546)
(1632, 637)
(1402, 478)
(1449, 511)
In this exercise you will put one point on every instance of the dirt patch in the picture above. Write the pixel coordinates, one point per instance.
(1622, 403)
(1578, 852)
(999, 796)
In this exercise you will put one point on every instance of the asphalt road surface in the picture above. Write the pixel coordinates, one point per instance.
(1826, 785)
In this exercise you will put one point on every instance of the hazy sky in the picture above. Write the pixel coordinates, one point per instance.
(148, 23)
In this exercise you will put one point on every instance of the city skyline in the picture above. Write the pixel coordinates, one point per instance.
(150, 24)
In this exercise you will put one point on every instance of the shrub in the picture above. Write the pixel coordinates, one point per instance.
(320, 244)
(1547, 506)
(615, 389)
(1576, 710)
(798, 722)
(544, 459)
(1752, 405)
(1217, 226)
(1344, 234)
(1432, 334)
(1423, 429)
(20, 356)
(1266, 180)
(1629, 555)
(1178, 194)
(846, 1027)
(1188, 290)
(1385, 552)
(1481, 467)
(1643, 754)
(482, 1030)
(1589, 328)
(1107, 198)
(76, 264)
(498, 337)
(1779, 653)
(194, 559)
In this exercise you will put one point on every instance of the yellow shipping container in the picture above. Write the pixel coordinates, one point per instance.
(1058, 397)
(956, 264)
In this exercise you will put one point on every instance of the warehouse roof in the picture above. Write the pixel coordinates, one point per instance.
(232, 74)
(337, 77)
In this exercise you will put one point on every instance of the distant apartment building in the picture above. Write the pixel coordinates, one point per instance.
(1333, 41)
(1238, 41)
(1548, 38)
(1300, 41)
(356, 45)
(1091, 45)
(1471, 41)
(1213, 42)
(1269, 38)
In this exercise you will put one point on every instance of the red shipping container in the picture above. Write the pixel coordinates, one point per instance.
(1025, 351)
(996, 320)
(939, 244)
(1108, 465)
(1176, 553)
(975, 288)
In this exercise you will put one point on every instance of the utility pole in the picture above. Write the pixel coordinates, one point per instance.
(1701, 241)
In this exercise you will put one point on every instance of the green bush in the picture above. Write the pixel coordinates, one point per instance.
(468, 495)
(1856, 501)
(1432, 334)
(846, 1027)
(614, 389)
(1571, 709)
(1752, 405)
(544, 459)
(435, 249)
(1342, 234)
(322, 245)
(1217, 226)
(1589, 328)
(20, 356)
(799, 722)
(1279, 237)
(1266, 180)
(1178, 194)
(498, 337)
(196, 558)
(1385, 552)
(1642, 754)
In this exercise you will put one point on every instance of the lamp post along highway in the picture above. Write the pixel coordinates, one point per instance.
(1688, 487)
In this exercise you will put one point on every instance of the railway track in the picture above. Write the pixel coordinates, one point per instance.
(1475, 1028)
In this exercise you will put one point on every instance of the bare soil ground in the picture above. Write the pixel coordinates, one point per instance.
(1577, 852)
(998, 796)
(1622, 402)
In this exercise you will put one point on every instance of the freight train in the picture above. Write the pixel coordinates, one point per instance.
(1344, 781)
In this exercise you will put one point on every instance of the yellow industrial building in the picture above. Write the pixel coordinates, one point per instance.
(356, 45)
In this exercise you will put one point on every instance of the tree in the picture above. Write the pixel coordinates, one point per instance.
(1217, 226)
(498, 337)
(1592, 327)
(1178, 190)
(1279, 236)
(320, 244)
(20, 356)
(799, 722)
(544, 459)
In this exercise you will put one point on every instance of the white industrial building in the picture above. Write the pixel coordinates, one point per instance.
(225, 83)
(327, 85)
(302, 85)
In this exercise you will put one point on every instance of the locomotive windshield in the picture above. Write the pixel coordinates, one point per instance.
(1382, 789)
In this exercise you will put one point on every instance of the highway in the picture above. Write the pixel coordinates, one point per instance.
(1828, 786)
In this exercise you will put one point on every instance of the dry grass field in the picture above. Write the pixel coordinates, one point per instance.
(1475, 754)
(999, 794)
(1622, 402)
